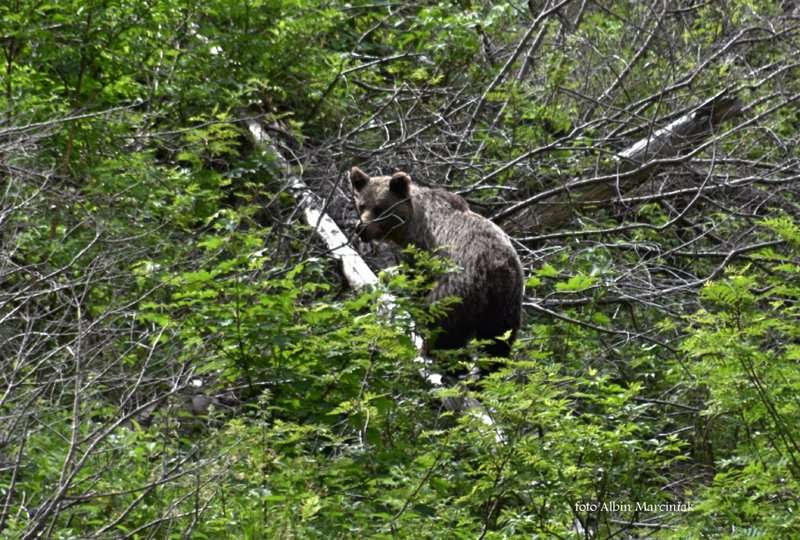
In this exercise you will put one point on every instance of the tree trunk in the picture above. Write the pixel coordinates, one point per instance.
(634, 166)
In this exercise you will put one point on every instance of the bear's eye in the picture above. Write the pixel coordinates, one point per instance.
(378, 210)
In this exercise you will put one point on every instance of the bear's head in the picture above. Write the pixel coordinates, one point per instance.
(384, 205)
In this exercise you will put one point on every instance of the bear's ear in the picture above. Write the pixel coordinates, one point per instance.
(399, 184)
(358, 178)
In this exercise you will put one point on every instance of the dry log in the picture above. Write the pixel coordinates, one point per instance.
(671, 144)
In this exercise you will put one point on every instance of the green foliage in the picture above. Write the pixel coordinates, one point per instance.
(744, 356)
(151, 259)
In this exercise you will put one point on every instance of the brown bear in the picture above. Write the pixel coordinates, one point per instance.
(488, 279)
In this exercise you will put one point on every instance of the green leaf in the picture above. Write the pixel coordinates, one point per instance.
(576, 283)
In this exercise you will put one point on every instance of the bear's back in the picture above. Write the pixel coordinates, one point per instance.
(488, 276)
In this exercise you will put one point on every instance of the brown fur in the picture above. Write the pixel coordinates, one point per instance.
(490, 277)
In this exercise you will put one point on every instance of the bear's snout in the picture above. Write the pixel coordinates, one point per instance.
(362, 230)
